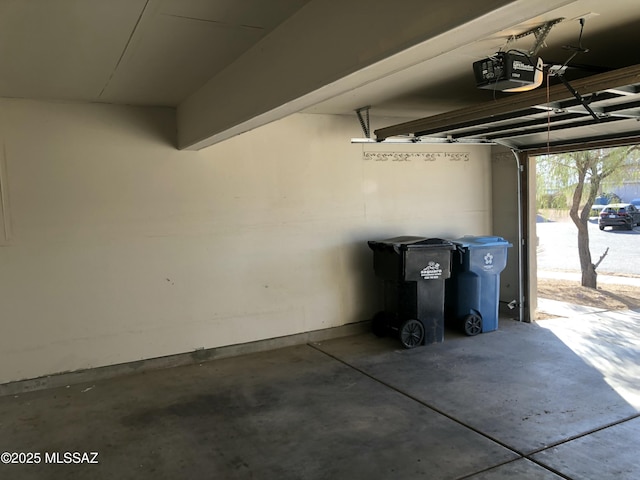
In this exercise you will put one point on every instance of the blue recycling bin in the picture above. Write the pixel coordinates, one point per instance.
(473, 290)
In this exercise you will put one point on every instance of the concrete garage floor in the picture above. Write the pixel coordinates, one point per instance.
(557, 399)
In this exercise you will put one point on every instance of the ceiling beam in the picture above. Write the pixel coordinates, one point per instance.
(299, 65)
(478, 122)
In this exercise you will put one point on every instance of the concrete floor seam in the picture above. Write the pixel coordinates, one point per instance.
(549, 468)
(417, 400)
(493, 467)
(582, 435)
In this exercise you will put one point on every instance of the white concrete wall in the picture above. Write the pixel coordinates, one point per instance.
(629, 190)
(120, 247)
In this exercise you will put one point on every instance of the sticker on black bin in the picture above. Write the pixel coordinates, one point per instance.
(432, 271)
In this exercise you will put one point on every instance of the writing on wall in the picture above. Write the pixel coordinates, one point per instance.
(415, 156)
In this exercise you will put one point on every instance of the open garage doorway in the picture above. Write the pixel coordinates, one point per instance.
(584, 207)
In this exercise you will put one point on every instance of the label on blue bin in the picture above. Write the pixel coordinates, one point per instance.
(432, 271)
(488, 261)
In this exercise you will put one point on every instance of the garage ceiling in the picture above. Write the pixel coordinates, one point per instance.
(228, 66)
(134, 52)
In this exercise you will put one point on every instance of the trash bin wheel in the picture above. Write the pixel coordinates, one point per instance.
(472, 324)
(411, 333)
(380, 323)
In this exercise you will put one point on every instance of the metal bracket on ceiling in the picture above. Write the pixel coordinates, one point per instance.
(579, 97)
(540, 33)
(364, 120)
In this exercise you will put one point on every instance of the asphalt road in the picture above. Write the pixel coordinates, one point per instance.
(558, 248)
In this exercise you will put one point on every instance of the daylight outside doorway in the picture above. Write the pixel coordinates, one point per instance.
(615, 251)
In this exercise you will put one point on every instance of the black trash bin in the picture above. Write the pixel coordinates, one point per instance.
(414, 270)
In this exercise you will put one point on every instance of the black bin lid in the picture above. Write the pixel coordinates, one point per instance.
(407, 242)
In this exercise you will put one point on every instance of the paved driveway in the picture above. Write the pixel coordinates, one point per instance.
(558, 248)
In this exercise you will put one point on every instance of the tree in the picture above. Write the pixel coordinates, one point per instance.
(581, 174)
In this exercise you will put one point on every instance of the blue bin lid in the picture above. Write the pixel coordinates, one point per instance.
(471, 241)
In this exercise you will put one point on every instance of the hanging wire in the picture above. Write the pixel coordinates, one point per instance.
(576, 50)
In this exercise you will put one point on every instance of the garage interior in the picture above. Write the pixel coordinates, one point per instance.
(185, 280)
